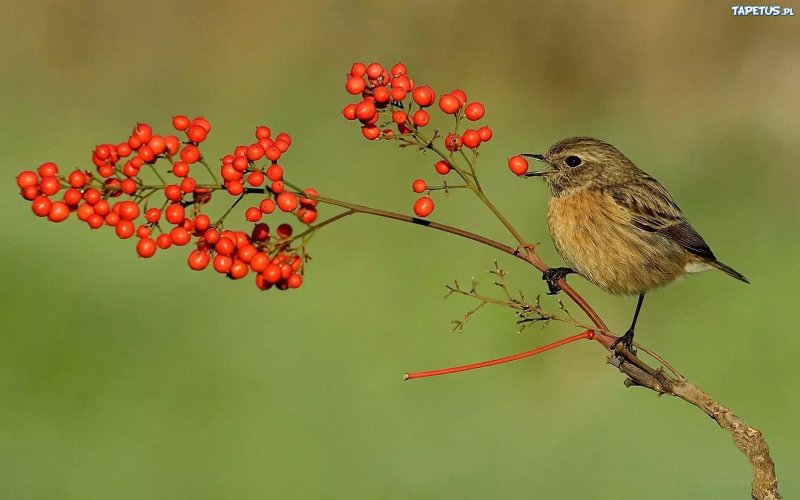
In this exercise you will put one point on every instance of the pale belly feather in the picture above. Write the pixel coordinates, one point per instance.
(594, 237)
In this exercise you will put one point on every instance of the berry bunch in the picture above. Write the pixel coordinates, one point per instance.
(116, 195)
(393, 107)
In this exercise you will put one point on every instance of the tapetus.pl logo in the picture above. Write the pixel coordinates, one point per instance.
(762, 10)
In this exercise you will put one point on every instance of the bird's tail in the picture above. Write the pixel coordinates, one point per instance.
(729, 271)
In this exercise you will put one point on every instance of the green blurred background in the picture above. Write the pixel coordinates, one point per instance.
(126, 378)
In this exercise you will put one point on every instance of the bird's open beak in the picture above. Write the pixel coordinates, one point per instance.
(540, 158)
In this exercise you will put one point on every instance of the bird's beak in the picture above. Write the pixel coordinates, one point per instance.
(539, 157)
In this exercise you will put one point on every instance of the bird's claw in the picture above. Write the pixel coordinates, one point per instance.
(626, 341)
(552, 275)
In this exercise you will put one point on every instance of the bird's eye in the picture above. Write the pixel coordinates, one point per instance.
(572, 161)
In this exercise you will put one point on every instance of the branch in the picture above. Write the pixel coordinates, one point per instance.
(747, 439)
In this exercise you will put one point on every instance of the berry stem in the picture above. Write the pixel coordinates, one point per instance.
(588, 334)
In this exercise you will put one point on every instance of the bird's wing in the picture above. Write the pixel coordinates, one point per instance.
(650, 208)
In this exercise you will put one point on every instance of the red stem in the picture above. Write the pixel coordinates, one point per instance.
(588, 334)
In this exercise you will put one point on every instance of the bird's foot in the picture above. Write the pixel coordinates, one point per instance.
(626, 341)
(552, 275)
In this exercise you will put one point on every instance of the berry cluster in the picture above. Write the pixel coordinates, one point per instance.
(116, 195)
(391, 101)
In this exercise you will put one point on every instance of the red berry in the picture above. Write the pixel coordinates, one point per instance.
(48, 169)
(275, 172)
(403, 83)
(143, 231)
(252, 214)
(255, 179)
(421, 118)
(254, 152)
(41, 206)
(485, 134)
(147, 154)
(128, 186)
(222, 263)
(157, 144)
(190, 154)
(125, 229)
(442, 167)
(235, 188)
(188, 184)
(374, 70)
(260, 232)
(123, 149)
(198, 260)
(173, 145)
(449, 104)
(202, 122)
(518, 165)
(370, 132)
(27, 179)
(225, 246)
(272, 153)
(112, 219)
(398, 69)
(358, 69)
(460, 95)
(143, 132)
(196, 133)
(84, 212)
(259, 262)
(175, 213)
(419, 186)
(146, 248)
(423, 96)
(365, 111)
(164, 241)
(173, 192)
(474, 111)
(180, 236)
(72, 197)
(180, 122)
(201, 223)
(267, 206)
(349, 112)
(238, 270)
(381, 95)
(77, 179)
(399, 117)
(423, 207)
(152, 215)
(355, 85)
(272, 273)
(92, 196)
(102, 152)
(452, 142)
(30, 192)
(263, 132)
(284, 231)
(287, 201)
(50, 185)
(294, 281)
(471, 138)
(128, 210)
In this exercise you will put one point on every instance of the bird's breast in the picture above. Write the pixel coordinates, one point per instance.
(594, 235)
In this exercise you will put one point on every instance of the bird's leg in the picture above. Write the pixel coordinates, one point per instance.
(552, 275)
(627, 339)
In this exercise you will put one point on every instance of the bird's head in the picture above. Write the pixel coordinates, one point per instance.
(582, 162)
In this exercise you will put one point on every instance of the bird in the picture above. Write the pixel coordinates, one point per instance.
(616, 225)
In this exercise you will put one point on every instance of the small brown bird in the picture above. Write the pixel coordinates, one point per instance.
(615, 225)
